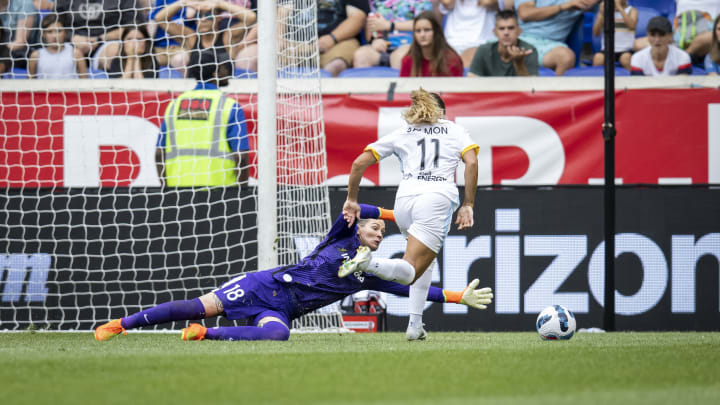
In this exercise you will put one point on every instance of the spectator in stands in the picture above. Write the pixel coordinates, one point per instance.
(700, 43)
(135, 58)
(692, 33)
(5, 61)
(247, 57)
(57, 59)
(165, 46)
(339, 23)
(18, 18)
(46, 5)
(212, 30)
(626, 18)
(661, 58)
(94, 22)
(546, 24)
(430, 54)
(192, 149)
(388, 30)
(712, 59)
(469, 24)
(509, 56)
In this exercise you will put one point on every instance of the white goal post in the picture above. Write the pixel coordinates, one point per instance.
(87, 233)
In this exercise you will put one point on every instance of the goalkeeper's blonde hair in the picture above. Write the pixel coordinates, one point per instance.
(424, 108)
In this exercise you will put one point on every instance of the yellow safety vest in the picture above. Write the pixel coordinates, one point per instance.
(196, 148)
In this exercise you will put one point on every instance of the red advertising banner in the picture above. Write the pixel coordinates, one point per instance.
(664, 136)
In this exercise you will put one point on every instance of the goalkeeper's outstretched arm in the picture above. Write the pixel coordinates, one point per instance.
(471, 296)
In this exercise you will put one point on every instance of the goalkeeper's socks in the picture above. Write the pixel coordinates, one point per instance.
(269, 331)
(397, 270)
(167, 312)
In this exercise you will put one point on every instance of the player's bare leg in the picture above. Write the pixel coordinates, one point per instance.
(212, 304)
(418, 255)
(213, 307)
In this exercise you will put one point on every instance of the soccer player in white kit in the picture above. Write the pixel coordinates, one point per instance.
(430, 149)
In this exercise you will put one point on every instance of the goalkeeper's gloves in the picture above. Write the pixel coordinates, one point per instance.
(479, 298)
(471, 297)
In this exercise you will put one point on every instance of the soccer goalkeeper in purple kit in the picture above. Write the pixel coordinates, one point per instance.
(270, 299)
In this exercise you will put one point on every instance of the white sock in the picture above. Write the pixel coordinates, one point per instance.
(415, 321)
(418, 296)
(397, 270)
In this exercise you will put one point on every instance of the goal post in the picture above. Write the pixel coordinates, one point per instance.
(87, 233)
(267, 143)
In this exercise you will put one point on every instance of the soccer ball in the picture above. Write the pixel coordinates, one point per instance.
(555, 322)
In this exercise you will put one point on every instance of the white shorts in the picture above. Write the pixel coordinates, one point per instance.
(426, 217)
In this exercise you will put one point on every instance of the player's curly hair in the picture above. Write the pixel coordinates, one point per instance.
(424, 109)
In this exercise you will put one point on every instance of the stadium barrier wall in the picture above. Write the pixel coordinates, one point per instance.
(535, 247)
(540, 247)
(531, 131)
(668, 133)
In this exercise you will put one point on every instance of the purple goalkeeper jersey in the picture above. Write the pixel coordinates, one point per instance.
(314, 283)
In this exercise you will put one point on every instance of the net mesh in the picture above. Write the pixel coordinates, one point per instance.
(88, 232)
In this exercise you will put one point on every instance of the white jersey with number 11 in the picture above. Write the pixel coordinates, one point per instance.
(429, 155)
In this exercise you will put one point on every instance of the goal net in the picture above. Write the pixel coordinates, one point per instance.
(93, 226)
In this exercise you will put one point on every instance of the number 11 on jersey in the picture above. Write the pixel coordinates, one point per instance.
(421, 143)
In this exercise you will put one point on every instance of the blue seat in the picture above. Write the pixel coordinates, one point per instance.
(594, 71)
(664, 7)
(169, 73)
(597, 43)
(374, 71)
(97, 74)
(644, 15)
(244, 74)
(696, 71)
(296, 72)
(621, 71)
(16, 73)
(546, 72)
(588, 21)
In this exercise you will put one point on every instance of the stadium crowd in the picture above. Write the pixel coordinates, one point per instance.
(60, 39)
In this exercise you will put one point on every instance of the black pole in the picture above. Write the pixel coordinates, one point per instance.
(609, 189)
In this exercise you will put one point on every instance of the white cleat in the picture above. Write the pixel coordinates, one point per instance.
(414, 333)
(349, 266)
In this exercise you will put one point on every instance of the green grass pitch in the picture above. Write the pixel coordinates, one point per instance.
(448, 368)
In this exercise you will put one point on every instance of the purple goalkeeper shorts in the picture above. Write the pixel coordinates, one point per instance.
(254, 296)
